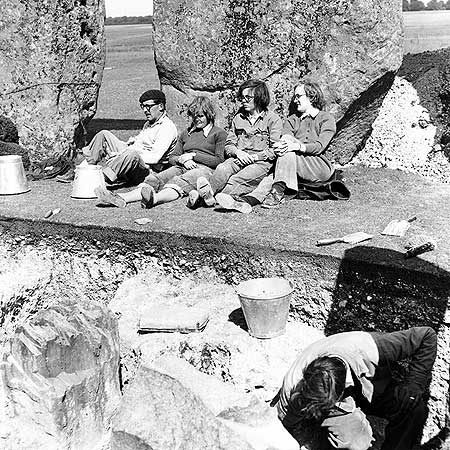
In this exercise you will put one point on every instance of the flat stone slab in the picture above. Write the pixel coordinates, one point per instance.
(378, 196)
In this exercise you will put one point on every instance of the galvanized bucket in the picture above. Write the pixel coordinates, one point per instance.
(265, 303)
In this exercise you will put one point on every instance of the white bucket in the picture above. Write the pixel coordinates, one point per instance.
(87, 178)
(12, 175)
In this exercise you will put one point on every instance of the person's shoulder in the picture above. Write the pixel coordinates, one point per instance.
(218, 130)
(325, 116)
(272, 115)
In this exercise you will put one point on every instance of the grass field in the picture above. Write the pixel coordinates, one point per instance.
(427, 30)
(130, 67)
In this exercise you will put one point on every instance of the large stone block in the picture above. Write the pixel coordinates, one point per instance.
(158, 413)
(52, 54)
(59, 384)
(347, 46)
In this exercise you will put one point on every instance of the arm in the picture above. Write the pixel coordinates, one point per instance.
(178, 150)
(213, 161)
(417, 343)
(231, 141)
(275, 128)
(152, 153)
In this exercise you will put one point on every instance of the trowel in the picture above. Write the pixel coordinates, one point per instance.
(398, 227)
(353, 238)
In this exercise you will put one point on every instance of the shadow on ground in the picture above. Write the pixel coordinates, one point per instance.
(379, 297)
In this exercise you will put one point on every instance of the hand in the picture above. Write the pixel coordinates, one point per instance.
(244, 158)
(407, 397)
(282, 147)
(185, 157)
(190, 164)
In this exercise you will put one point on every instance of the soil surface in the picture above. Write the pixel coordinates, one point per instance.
(378, 196)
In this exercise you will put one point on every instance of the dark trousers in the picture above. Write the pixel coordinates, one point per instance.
(402, 430)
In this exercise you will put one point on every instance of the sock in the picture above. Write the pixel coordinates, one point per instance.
(252, 201)
(279, 187)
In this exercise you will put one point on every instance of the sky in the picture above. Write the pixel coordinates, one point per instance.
(118, 8)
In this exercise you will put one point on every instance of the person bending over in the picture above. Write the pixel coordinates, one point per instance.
(249, 148)
(335, 380)
(199, 150)
(149, 151)
(300, 152)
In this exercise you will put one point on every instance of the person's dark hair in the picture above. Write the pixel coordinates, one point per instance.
(261, 95)
(322, 385)
(202, 105)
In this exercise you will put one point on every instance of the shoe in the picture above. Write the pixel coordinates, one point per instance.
(148, 197)
(273, 200)
(205, 191)
(193, 200)
(67, 177)
(226, 201)
(109, 198)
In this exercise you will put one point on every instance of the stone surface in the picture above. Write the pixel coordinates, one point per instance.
(52, 55)
(158, 413)
(404, 135)
(346, 46)
(214, 393)
(258, 423)
(59, 377)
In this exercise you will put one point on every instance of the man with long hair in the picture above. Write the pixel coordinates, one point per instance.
(338, 379)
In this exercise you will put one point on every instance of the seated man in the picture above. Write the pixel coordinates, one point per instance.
(149, 151)
(336, 379)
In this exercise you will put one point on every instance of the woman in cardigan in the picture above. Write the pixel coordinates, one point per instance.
(306, 135)
(199, 150)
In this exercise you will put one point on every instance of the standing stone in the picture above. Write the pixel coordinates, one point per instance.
(347, 46)
(52, 54)
(59, 383)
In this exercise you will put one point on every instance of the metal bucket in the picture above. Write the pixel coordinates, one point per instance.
(12, 175)
(87, 178)
(265, 303)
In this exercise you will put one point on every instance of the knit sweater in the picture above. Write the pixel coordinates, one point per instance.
(209, 150)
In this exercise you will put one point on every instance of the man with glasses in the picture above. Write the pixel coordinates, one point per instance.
(133, 160)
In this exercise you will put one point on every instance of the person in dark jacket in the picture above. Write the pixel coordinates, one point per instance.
(335, 380)
(199, 150)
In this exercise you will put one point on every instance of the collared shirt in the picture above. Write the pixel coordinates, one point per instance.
(156, 141)
(315, 131)
(207, 129)
(254, 137)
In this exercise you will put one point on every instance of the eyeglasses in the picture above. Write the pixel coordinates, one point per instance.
(299, 96)
(147, 107)
(245, 98)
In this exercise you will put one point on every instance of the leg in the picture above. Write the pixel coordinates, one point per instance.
(260, 193)
(313, 169)
(187, 182)
(103, 145)
(222, 174)
(247, 178)
(286, 171)
(158, 179)
(128, 166)
(404, 429)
